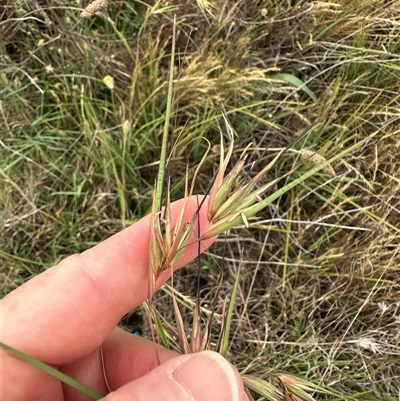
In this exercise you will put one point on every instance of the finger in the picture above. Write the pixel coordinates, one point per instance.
(69, 310)
(128, 357)
(195, 377)
(125, 357)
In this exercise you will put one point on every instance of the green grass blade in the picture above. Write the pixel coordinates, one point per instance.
(298, 83)
(163, 155)
(267, 201)
(163, 334)
(53, 372)
(225, 335)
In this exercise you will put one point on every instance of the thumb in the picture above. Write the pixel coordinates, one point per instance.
(203, 376)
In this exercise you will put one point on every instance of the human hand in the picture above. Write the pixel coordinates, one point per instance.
(63, 315)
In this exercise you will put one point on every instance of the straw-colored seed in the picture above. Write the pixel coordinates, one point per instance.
(93, 7)
(317, 160)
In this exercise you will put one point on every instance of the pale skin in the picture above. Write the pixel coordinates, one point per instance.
(63, 315)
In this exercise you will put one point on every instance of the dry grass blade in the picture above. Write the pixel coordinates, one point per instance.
(197, 338)
(263, 387)
(180, 325)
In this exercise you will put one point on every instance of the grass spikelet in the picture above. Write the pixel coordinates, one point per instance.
(317, 159)
(231, 205)
(93, 7)
(262, 387)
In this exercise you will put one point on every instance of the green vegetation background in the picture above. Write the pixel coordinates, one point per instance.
(319, 291)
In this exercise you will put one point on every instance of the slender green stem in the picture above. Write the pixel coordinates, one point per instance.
(163, 156)
(53, 372)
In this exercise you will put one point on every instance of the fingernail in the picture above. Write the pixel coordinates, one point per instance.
(208, 376)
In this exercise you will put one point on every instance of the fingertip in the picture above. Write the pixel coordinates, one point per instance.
(207, 375)
(202, 376)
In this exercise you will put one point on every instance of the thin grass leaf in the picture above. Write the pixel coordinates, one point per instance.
(162, 333)
(205, 343)
(263, 388)
(298, 83)
(206, 7)
(196, 337)
(180, 326)
(224, 345)
(252, 211)
(53, 372)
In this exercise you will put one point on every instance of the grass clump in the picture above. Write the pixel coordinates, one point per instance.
(316, 294)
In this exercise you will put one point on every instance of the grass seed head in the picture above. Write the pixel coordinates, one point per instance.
(317, 159)
(93, 7)
(223, 189)
(295, 389)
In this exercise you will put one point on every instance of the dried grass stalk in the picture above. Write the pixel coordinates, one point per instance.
(317, 159)
(93, 7)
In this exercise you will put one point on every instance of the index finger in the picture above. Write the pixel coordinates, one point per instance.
(69, 310)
